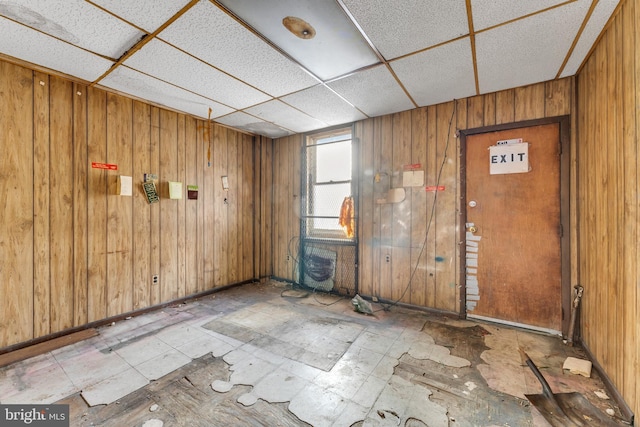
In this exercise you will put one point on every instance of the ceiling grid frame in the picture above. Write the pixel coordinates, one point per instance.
(402, 39)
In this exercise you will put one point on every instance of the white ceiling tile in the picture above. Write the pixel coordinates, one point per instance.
(337, 48)
(32, 46)
(148, 88)
(251, 124)
(440, 74)
(210, 34)
(285, 116)
(323, 104)
(76, 22)
(597, 21)
(146, 14)
(528, 50)
(374, 92)
(487, 13)
(173, 66)
(404, 26)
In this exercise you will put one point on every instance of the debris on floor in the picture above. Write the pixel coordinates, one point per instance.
(577, 366)
(361, 306)
(251, 357)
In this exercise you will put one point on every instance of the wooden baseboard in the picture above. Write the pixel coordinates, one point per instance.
(45, 346)
(625, 410)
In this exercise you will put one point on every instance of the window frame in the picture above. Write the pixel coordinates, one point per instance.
(341, 134)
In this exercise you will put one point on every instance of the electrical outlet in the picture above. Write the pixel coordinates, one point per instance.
(387, 258)
(154, 279)
(288, 257)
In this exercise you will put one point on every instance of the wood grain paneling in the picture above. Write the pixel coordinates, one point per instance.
(608, 126)
(119, 208)
(181, 243)
(142, 218)
(61, 198)
(97, 206)
(72, 250)
(168, 210)
(16, 190)
(80, 205)
(191, 237)
(41, 206)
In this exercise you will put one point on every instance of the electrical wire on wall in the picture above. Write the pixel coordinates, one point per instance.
(431, 215)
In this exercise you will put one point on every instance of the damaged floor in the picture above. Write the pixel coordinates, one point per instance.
(263, 354)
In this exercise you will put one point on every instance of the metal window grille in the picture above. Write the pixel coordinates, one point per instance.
(328, 256)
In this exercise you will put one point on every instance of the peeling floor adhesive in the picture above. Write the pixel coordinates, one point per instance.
(359, 387)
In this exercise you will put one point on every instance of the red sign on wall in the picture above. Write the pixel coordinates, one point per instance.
(108, 166)
(412, 167)
(434, 188)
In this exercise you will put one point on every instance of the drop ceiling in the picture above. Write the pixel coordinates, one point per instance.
(235, 62)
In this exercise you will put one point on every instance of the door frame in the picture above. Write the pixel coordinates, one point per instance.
(564, 123)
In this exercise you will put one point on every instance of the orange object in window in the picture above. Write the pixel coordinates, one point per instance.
(347, 217)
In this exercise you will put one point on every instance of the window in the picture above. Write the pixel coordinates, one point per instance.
(328, 168)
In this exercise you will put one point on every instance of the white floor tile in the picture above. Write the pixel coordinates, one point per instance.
(163, 364)
(142, 350)
(114, 388)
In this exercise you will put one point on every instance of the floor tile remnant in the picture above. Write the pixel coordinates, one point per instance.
(221, 386)
(114, 388)
(249, 356)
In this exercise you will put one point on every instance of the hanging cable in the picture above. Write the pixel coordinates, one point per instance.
(431, 215)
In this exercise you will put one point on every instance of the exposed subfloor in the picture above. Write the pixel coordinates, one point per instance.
(266, 355)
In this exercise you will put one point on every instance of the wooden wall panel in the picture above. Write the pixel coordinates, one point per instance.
(248, 209)
(154, 216)
(16, 220)
(72, 251)
(119, 208)
(202, 144)
(429, 215)
(209, 192)
(608, 126)
(286, 204)
(97, 206)
(168, 207)
(61, 198)
(446, 231)
(234, 238)
(365, 215)
(418, 262)
(41, 207)
(191, 237)
(181, 259)
(401, 212)
(220, 206)
(265, 190)
(142, 218)
(80, 205)
(384, 136)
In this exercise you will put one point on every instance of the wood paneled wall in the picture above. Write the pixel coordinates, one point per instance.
(419, 272)
(608, 92)
(286, 205)
(74, 252)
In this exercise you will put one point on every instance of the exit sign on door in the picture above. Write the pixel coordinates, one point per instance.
(509, 158)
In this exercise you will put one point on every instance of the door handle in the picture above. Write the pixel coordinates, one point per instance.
(472, 229)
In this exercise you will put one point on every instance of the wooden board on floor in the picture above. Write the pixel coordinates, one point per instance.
(46, 346)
